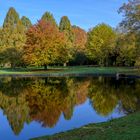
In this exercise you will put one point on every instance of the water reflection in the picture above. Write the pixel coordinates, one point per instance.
(44, 100)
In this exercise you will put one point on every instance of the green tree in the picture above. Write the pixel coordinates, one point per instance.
(26, 22)
(131, 23)
(126, 49)
(12, 57)
(48, 17)
(138, 49)
(100, 43)
(12, 18)
(12, 39)
(131, 14)
(65, 24)
(66, 28)
(1, 34)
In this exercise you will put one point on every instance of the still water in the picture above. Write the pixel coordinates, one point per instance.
(33, 107)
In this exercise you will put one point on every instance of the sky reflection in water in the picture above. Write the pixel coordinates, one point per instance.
(32, 107)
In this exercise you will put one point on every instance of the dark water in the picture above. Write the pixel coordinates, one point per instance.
(32, 107)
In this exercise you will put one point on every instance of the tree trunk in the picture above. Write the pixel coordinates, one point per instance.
(12, 65)
(46, 80)
(65, 64)
(45, 67)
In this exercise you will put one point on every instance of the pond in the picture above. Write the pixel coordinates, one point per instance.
(33, 107)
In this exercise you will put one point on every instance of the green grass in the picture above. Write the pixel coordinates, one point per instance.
(68, 70)
(126, 128)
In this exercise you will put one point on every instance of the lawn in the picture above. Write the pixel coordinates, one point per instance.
(63, 71)
(126, 128)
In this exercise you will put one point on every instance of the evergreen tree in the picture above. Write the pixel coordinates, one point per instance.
(26, 22)
(48, 17)
(12, 39)
(11, 19)
(66, 28)
(65, 24)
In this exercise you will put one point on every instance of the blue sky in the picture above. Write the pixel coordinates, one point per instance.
(84, 13)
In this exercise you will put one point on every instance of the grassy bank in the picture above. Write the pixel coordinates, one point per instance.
(126, 128)
(56, 71)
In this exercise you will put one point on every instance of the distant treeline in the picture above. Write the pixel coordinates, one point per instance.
(48, 43)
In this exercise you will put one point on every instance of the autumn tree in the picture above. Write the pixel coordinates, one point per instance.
(131, 23)
(126, 49)
(100, 43)
(13, 102)
(26, 22)
(131, 14)
(138, 49)
(1, 34)
(79, 44)
(80, 38)
(112, 94)
(48, 17)
(66, 28)
(12, 18)
(43, 45)
(12, 39)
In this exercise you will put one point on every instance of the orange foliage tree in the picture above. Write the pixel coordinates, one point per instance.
(80, 38)
(43, 45)
(79, 44)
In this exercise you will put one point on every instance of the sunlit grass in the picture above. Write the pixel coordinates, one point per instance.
(69, 70)
(126, 128)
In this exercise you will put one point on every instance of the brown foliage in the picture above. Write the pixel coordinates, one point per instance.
(80, 38)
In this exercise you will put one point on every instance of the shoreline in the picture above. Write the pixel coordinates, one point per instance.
(122, 75)
(125, 128)
(119, 72)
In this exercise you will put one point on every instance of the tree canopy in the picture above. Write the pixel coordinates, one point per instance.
(12, 39)
(48, 17)
(131, 13)
(26, 22)
(43, 43)
(11, 19)
(131, 24)
(46, 43)
(100, 43)
(66, 28)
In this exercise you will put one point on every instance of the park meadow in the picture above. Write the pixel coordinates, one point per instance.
(59, 81)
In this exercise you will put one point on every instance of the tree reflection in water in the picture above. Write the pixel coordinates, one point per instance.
(24, 100)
